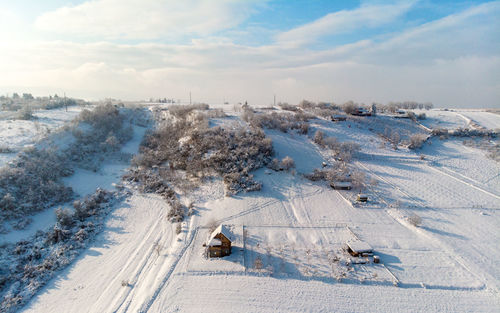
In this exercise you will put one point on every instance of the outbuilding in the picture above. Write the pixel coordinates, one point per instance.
(338, 118)
(219, 242)
(341, 185)
(361, 112)
(362, 197)
(359, 248)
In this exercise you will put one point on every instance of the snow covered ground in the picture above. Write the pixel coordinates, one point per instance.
(484, 119)
(297, 228)
(83, 182)
(17, 134)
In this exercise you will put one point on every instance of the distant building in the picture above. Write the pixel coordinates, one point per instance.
(219, 242)
(338, 118)
(341, 185)
(361, 112)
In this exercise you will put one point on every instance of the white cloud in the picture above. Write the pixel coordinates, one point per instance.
(145, 19)
(453, 61)
(366, 16)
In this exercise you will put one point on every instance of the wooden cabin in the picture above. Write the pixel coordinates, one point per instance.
(219, 242)
(341, 185)
(359, 248)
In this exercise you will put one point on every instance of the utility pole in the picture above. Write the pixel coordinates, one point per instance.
(190, 98)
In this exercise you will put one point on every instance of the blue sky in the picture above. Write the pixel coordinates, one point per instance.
(446, 52)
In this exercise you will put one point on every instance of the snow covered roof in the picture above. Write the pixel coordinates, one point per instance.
(359, 246)
(214, 242)
(342, 183)
(222, 229)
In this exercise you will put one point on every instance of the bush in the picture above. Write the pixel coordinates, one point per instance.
(316, 175)
(417, 141)
(350, 107)
(287, 163)
(414, 220)
(288, 107)
(182, 111)
(26, 113)
(64, 217)
(318, 137)
(280, 121)
(32, 182)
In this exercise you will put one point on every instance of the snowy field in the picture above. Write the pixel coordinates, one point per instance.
(288, 238)
(17, 134)
(484, 119)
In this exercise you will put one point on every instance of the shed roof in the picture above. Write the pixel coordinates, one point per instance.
(222, 229)
(342, 183)
(359, 246)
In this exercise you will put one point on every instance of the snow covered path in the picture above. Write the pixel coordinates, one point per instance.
(134, 249)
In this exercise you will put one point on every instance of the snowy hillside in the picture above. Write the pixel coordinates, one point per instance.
(432, 218)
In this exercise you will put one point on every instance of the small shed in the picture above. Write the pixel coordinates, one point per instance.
(338, 118)
(362, 197)
(359, 248)
(401, 114)
(361, 112)
(219, 242)
(341, 185)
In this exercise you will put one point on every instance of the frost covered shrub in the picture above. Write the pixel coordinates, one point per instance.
(181, 111)
(350, 107)
(187, 145)
(318, 137)
(306, 104)
(287, 163)
(280, 121)
(417, 141)
(26, 113)
(414, 220)
(64, 217)
(288, 107)
(316, 175)
(237, 182)
(100, 131)
(29, 264)
(32, 182)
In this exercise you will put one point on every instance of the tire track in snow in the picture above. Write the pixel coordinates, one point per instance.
(147, 305)
(444, 246)
(463, 181)
(264, 205)
(116, 282)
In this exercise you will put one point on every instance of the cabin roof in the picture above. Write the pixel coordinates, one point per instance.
(359, 246)
(222, 229)
(214, 242)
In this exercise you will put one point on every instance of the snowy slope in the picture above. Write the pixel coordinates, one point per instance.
(297, 228)
(16, 134)
(482, 118)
